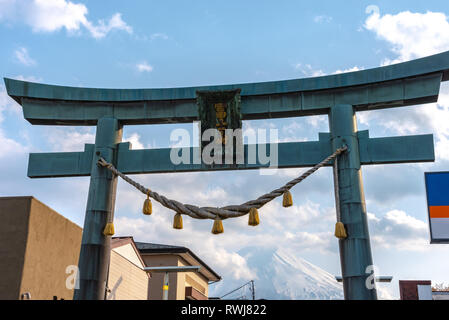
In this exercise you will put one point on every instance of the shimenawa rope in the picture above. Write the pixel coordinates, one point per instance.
(231, 211)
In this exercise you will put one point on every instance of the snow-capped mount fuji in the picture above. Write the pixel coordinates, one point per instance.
(282, 276)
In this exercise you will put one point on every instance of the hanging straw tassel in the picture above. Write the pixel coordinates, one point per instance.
(177, 221)
(109, 229)
(253, 219)
(287, 201)
(340, 231)
(218, 226)
(147, 206)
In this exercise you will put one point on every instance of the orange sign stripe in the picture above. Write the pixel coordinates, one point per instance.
(439, 211)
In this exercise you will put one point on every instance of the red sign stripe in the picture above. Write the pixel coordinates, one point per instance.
(439, 211)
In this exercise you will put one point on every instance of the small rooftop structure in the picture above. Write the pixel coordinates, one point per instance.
(183, 285)
(185, 253)
(415, 289)
(440, 295)
(127, 279)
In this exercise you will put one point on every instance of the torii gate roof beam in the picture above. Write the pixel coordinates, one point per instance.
(408, 83)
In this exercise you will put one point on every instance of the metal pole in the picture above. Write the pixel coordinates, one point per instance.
(95, 247)
(253, 290)
(166, 270)
(355, 250)
(165, 287)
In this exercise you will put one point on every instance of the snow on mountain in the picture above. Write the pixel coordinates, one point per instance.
(279, 275)
(295, 278)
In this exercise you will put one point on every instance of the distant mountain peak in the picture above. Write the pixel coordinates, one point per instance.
(282, 276)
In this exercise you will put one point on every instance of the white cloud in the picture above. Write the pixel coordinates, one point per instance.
(298, 217)
(353, 69)
(22, 56)
(422, 119)
(443, 98)
(411, 35)
(144, 67)
(384, 292)
(102, 29)
(73, 139)
(308, 70)
(48, 16)
(28, 78)
(69, 139)
(158, 35)
(10, 147)
(322, 18)
(54, 15)
(4, 101)
(317, 121)
(396, 229)
(134, 139)
(230, 263)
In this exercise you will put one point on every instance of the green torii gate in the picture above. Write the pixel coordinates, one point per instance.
(340, 96)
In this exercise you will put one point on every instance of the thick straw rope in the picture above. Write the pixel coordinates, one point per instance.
(233, 211)
(336, 188)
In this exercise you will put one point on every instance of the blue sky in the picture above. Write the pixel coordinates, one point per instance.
(150, 44)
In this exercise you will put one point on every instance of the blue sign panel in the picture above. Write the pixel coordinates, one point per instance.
(437, 191)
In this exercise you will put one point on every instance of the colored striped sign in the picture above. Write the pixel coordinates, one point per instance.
(437, 190)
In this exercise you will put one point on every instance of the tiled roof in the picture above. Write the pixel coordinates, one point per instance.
(156, 246)
(150, 248)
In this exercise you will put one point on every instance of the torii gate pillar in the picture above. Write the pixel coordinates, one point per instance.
(355, 250)
(95, 252)
(339, 95)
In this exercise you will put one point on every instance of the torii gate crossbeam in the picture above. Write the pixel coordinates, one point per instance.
(340, 96)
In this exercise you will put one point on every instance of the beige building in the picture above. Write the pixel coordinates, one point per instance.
(127, 280)
(183, 286)
(39, 250)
